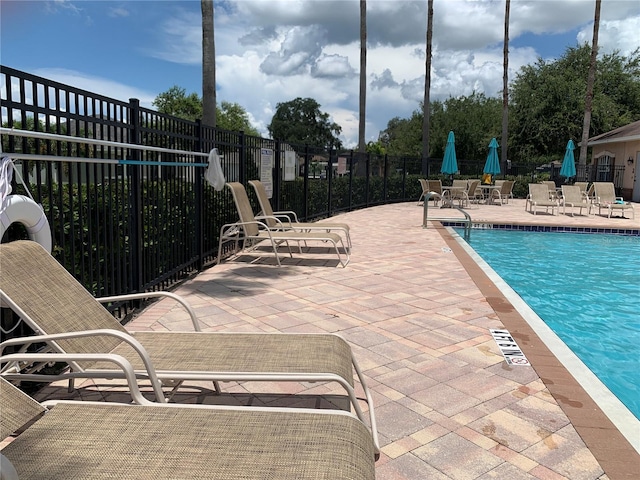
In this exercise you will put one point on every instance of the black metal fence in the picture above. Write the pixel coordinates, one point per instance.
(130, 220)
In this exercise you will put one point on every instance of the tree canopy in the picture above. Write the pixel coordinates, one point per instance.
(546, 110)
(229, 116)
(300, 122)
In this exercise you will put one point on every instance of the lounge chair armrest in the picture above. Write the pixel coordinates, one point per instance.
(289, 214)
(135, 344)
(141, 296)
(279, 224)
(119, 360)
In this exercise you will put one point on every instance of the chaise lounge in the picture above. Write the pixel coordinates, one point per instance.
(67, 317)
(86, 440)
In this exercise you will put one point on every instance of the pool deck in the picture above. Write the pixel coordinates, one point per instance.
(417, 311)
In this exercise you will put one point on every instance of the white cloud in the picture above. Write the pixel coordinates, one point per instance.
(271, 51)
(97, 85)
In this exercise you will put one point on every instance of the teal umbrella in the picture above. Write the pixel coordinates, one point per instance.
(450, 164)
(568, 168)
(492, 165)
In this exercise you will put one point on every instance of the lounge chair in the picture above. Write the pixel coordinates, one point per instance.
(289, 219)
(67, 317)
(572, 196)
(251, 231)
(583, 187)
(551, 185)
(539, 197)
(605, 197)
(63, 440)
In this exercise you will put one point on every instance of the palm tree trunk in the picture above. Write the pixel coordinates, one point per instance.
(426, 104)
(590, 81)
(208, 65)
(505, 90)
(363, 77)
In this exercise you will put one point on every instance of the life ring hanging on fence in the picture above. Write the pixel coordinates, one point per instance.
(21, 209)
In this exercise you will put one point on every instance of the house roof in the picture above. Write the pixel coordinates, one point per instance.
(625, 133)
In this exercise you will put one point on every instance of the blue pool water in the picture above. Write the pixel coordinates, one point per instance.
(586, 288)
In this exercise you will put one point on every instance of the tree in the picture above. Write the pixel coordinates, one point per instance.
(363, 77)
(208, 65)
(176, 102)
(231, 116)
(547, 101)
(301, 122)
(505, 89)
(426, 103)
(588, 101)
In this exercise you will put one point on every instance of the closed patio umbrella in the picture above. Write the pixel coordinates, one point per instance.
(568, 168)
(492, 165)
(450, 164)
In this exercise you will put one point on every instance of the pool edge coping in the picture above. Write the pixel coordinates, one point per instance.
(606, 439)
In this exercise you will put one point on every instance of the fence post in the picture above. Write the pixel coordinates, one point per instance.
(135, 192)
(242, 158)
(277, 176)
(351, 180)
(385, 177)
(367, 173)
(199, 194)
(329, 179)
(305, 197)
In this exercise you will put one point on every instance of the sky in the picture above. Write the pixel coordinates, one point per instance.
(273, 51)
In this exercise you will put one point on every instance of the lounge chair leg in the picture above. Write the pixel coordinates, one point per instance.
(216, 386)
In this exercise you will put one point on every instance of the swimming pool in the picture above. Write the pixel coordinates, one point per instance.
(586, 288)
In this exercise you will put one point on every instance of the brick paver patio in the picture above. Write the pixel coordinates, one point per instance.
(417, 312)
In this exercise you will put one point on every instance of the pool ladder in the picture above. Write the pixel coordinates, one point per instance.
(448, 203)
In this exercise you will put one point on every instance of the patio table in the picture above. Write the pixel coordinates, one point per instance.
(487, 193)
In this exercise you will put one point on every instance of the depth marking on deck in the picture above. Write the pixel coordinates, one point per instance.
(509, 348)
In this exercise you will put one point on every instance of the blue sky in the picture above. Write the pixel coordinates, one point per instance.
(270, 51)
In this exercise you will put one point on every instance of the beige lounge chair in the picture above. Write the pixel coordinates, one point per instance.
(552, 189)
(251, 231)
(288, 220)
(539, 197)
(67, 317)
(87, 440)
(605, 197)
(583, 187)
(572, 196)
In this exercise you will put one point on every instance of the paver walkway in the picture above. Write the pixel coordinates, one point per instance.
(417, 312)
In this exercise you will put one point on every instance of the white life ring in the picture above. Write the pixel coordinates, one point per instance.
(23, 210)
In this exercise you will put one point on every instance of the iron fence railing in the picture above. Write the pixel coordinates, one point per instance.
(129, 220)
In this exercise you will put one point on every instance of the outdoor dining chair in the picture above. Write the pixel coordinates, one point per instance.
(61, 440)
(70, 320)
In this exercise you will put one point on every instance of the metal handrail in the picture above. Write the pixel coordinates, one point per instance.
(449, 203)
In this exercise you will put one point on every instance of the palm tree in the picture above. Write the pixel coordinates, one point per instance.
(505, 89)
(590, 81)
(426, 113)
(363, 76)
(208, 65)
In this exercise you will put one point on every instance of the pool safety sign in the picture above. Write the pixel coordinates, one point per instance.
(509, 348)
